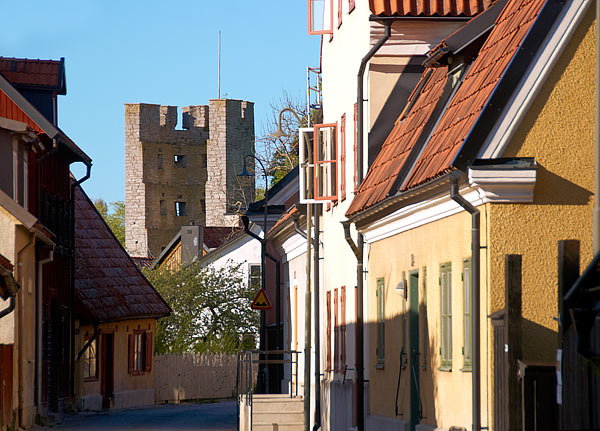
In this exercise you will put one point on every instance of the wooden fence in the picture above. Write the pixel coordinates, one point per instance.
(190, 376)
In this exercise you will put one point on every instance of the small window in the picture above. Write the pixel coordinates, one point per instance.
(90, 361)
(140, 352)
(380, 294)
(180, 209)
(179, 160)
(320, 17)
(254, 278)
(446, 315)
(468, 311)
(159, 160)
(325, 159)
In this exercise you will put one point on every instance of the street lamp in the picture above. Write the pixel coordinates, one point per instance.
(263, 247)
(279, 133)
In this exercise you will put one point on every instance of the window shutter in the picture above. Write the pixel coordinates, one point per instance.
(130, 364)
(343, 156)
(343, 325)
(149, 352)
(328, 360)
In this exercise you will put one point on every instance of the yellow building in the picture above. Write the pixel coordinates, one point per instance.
(500, 125)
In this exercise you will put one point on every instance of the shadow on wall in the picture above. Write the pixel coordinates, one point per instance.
(398, 380)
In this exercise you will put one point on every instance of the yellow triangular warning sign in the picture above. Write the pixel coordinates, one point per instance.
(260, 301)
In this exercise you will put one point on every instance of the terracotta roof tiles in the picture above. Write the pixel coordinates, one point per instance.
(108, 285)
(477, 87)
(464, 8)
(37, 73)
(458, 118)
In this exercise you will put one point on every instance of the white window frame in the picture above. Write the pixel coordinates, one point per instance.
(321, 167)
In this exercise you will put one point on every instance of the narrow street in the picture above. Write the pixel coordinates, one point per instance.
(184, 417)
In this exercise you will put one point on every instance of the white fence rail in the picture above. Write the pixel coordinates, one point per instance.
(189, 376)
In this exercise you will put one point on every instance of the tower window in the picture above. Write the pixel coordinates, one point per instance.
(179, 161)
(163, 208)
(180, 209)
(160, 161)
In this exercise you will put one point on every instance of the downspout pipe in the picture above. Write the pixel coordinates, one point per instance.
(38, 331)
(357, 247)
(475, 297)
(10, 308)
(72, 295)
(316, 299)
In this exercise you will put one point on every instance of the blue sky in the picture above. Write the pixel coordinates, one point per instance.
(160, 52)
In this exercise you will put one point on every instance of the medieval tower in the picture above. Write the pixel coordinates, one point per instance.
(180, 177)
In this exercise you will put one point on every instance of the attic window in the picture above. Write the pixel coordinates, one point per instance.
(179, 161)
(320, 17)
(180, 209)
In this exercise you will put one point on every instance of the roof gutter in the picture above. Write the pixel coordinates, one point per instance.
(475, 295)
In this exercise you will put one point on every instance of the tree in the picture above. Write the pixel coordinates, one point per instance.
(211, 309)
(280, 155)
(114, 219)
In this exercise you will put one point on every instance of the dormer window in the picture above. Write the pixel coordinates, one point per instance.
(320, 17)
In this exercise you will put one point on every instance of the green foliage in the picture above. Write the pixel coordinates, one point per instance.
(211, 310)
(115, 219)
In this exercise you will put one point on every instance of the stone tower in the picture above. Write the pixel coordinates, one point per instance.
(180, 177)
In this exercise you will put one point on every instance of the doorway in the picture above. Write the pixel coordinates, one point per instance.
(413, 310)
(107, 369)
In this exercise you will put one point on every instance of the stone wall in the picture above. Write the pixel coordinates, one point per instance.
(231, 138)
(165, 166)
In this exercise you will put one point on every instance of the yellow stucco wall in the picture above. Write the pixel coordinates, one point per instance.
(124, 383)
(18, 328)
(558, 132)
(429, 246)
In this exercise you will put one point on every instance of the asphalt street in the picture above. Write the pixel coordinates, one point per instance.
(184, 417)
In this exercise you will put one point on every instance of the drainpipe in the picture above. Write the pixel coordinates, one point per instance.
(359, 246)
(72, 294)
(596, 213)
(475, 250)
(307, 320)
(38, 331)
(19, 328)
(317, 322)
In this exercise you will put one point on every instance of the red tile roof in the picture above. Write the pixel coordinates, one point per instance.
(428, 8)
(214, 237)
(380, 179)
(478, 85)
(284, 218)
(108, 285)
(34, 73)
(457, 120)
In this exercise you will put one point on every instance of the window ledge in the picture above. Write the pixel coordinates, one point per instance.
(445, 368)
(380, 366)
(466, 369)
(91, 379)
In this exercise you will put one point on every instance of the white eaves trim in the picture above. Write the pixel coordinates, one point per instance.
(485, 186)
(501, 185)
(535, 77)
(293, 247)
